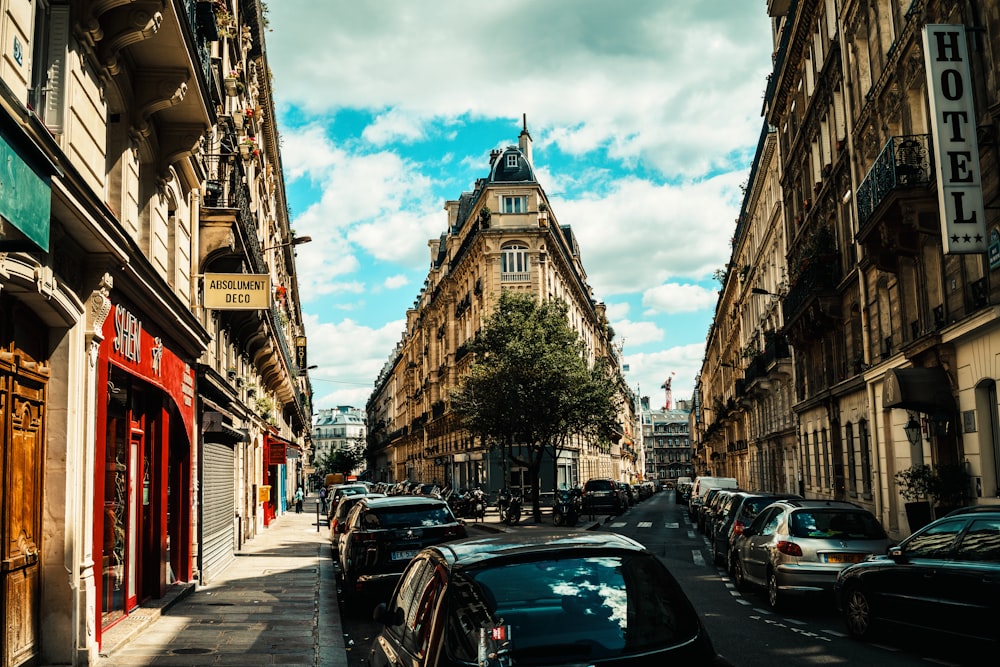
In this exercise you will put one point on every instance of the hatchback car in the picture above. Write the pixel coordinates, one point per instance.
(738, 512)
(797, 547)
(337, 519)
(555, 598)
(943, 578)
(381, 535)
(603, 495)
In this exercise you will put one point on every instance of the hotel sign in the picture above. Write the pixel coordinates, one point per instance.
(237, 291)
(956, 151)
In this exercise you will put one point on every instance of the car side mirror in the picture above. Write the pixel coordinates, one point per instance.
(896, 553)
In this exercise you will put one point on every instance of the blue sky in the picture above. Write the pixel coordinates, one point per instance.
(644, 115)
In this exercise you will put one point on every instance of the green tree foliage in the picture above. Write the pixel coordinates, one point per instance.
(530, 389)
(343, 459)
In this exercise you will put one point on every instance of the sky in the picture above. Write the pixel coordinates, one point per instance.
(644, 116)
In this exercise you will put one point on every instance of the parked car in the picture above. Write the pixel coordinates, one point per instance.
(337, 518)
(577, 598)
(701, 487)
(943, 578)
(335, 492)
(603, 495)
(742, 508)
(708, 511)
(682, 493)
(383, 534)
(797, 547)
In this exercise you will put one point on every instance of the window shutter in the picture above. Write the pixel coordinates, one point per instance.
(56, 60)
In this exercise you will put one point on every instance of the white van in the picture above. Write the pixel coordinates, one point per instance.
(700, 488)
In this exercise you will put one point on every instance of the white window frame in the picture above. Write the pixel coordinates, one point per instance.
(511, 161)
(514, 204)
(515, 263)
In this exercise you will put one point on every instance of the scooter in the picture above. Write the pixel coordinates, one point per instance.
(567, 508)
(477, 504)
(509, 506)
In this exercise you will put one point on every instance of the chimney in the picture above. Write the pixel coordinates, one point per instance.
(494, 154)
(524, 142)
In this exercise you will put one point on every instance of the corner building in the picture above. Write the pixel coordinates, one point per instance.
(501, 236)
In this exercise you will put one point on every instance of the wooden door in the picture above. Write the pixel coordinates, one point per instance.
(22, 409)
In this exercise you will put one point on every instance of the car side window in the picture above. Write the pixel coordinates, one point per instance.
(771, 525)
(770, 517)
(420, 617)
(981, 543)
(411, 585)
(936, 541)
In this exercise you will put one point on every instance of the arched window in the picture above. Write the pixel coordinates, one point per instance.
(514, 266)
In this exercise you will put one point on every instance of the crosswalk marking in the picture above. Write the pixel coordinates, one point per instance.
(619, 524)
(645, 524)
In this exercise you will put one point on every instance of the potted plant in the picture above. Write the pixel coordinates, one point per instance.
(914, 485)
(232, 84)
(949, 487)
(248, 148)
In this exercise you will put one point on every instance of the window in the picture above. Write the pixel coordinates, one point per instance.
(936, 541)
(511, 161)
(513, 204)
(514, 263)
(981, 542)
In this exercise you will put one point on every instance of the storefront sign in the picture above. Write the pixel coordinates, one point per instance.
(147, 355)
(953, 124)
(25, 203)
(237, 291)
(300, 353)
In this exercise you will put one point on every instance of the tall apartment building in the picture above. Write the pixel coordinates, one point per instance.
(666, 441)
(501, 236)
(885, 116)
(144, 420)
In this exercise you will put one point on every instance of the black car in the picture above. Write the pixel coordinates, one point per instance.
(551, 598)
(943, 578)
(381, 535)
(603, 495)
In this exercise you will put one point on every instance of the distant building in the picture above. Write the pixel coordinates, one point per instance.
(338, 428)
(666, 439)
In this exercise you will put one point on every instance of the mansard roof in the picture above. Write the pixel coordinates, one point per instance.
(501, 173)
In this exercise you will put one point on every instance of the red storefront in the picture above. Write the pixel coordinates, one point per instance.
(143, 498)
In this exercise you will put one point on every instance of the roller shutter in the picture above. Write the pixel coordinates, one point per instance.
(218, 523)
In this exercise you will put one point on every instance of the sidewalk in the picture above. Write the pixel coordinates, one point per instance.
(276, 604)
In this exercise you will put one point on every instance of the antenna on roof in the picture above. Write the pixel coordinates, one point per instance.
(524, 118)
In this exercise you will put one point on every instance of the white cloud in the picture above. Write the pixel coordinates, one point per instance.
(395, 282)
(647, 371)
(679, 298)
(636, 333)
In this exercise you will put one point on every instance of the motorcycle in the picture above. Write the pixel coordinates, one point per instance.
(509, 507)
(567, 507)
(459, 503)
(476, 507)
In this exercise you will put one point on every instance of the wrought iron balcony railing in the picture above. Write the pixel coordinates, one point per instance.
(905, 162)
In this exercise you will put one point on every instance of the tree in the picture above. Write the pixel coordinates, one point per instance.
(342, 459)
(530, 390)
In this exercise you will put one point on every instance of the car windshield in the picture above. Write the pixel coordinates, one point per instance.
(407, 516)
(569, 610)
(845, 525)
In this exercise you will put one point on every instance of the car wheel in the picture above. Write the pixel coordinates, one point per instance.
(773, 594)
(558, 519)
(716, 556)
(858, 614)
(739, 580)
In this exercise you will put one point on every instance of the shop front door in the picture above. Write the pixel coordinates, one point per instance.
(22, 409)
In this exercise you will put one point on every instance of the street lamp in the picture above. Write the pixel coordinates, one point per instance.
(912, 429)
(761, 290)
(298, 240)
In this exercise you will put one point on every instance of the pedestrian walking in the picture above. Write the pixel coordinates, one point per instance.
(299, 497)
(322, 497)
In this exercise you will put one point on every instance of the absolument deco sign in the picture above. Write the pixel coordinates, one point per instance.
(237, 291)
(956, 152)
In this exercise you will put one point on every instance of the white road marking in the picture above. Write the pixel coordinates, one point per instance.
(672, 525)
(697, 557)
(619, 524)
(645, 524)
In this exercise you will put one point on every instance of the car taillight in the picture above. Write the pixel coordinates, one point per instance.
(789, 548)
(360, 536)
(738, 528)
(335, 525)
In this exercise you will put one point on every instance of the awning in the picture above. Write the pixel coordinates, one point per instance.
(926, 390)
(215, 429)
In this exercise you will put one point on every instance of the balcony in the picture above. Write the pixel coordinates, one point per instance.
(813, 299)
(896, 200)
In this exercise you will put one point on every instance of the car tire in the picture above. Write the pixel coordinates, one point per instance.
(774, 597)
(716, 556)
(739, 580)
(858, 614)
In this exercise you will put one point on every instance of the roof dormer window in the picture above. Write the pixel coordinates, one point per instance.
(511, 160)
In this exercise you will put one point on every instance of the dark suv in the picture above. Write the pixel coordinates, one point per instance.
(381, 535)
(603, 495)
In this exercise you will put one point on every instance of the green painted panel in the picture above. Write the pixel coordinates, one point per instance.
(25, 202)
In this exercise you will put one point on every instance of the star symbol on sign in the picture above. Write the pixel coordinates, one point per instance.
(979, 238)
(954, 238)
(967, 238)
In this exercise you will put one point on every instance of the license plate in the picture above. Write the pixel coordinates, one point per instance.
(844, 558)
(404, 555)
